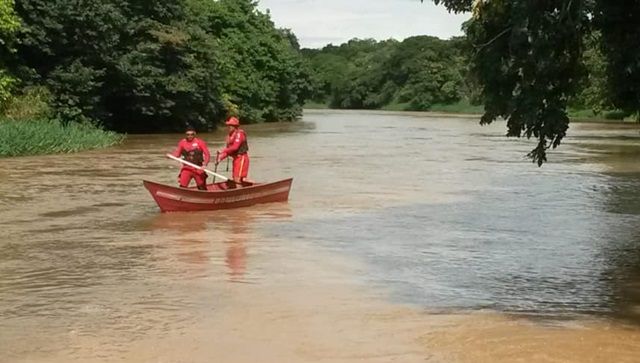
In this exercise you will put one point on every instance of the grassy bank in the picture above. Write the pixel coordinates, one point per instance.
(312, 105)
(49, 137)
(459, 107)
(466, 108)
(462, 107)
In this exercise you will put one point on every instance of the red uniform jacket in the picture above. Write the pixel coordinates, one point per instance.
(236, 144)
(194, 151)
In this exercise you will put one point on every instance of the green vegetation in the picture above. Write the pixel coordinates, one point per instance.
(315, 105)
(9, 26)
(463, 106)
(427, 74)
(30, 137)
(414, 74)
(136, 66)
(533, 63)
(139, 66)
(534, 59)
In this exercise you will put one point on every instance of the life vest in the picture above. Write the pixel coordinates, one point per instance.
(244, 147)
(194, 156)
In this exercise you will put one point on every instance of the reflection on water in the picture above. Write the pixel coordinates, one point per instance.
(237, 252)
(439, 213)
(621, 252)
(193, 233)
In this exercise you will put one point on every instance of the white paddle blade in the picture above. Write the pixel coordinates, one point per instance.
(224, 178)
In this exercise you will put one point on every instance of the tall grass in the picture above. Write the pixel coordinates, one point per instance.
(31, 137)
(462, 107)
(313, 105)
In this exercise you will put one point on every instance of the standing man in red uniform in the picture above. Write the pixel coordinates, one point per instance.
(238, 149)
(195, 151)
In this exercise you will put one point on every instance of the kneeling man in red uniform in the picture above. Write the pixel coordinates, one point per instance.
(195, 151)
(238, 149)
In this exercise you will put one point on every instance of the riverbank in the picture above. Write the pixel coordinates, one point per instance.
(465, 109)
(36, 137)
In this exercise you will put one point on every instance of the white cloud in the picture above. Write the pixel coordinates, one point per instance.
(319, 22)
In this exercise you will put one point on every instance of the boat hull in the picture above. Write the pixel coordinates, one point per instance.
(175, 199)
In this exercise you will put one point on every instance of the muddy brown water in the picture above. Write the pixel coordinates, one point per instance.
(407, 238)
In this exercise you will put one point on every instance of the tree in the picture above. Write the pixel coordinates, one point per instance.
(169, 80)
(9, 26)
(364, 77)
(529, 59)
(365, 74)
(593, 91)
(619, 24)
(82, 54)
(143, 66)
(427, 70)
(262, 73)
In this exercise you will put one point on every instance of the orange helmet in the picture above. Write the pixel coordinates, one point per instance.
(232, 121)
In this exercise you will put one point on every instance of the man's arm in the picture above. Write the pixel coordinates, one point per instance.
(238, 139)
(178, 151)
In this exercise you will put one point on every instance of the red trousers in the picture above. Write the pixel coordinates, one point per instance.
(186, 174)
(241, 166)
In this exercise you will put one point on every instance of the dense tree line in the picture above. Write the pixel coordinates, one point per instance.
(134, 65)
(421, 71)
(365, 74)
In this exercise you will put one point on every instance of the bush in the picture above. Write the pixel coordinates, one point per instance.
(32, 103)
(615, 115)
(31, 137)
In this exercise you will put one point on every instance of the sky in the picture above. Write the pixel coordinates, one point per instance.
(317, 23)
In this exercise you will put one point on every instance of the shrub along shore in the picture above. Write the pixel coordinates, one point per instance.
(32, 137)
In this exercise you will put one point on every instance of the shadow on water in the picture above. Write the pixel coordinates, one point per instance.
(546, 259)
(622, 253)
(192, 234)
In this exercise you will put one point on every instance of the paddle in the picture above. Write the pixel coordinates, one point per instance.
(224, 178)
(215, 168)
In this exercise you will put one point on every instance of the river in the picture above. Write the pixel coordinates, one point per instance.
(407, 238)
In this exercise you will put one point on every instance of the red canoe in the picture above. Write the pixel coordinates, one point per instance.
(217, 196)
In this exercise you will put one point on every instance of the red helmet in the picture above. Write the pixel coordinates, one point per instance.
(232, 121)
